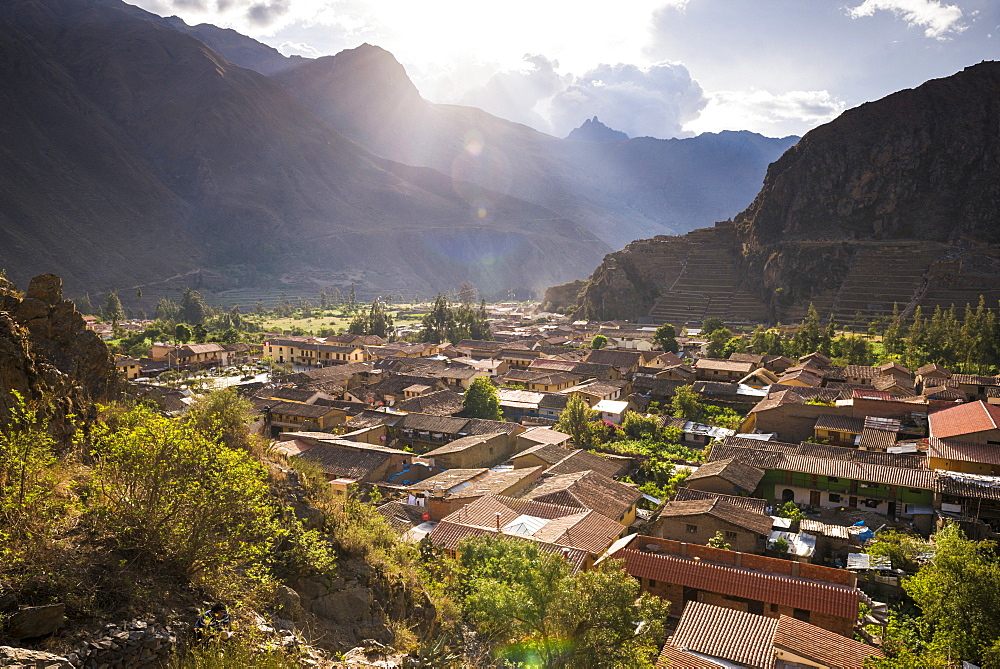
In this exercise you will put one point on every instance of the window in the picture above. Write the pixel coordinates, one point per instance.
(832, 479)
(691, 529)
(652, 582)
(915, 491)
(834, 497)
(801, 614)
(731, 536)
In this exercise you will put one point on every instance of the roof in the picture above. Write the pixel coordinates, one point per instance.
(494, 483)
(579, 460)
(950, 449)
(935, 369)
(735, 471)
(402, 517)
(830, 452)
(720, 509)
(623, 360)
(611, 406)
(735, 366)
(840, 601)
(964, 419)
(816, 527)
(571, 527)
(737, 636)
(462, 444)
(544, 435)
(960, 484)
(349, 463)
(672, 657)
(437, 403)
(587, 490)
(846, 469)
(751, 504)
(299, 410)
(876, 439)
(548, 453)
(840, 423)
(821, 645)
(447, 479)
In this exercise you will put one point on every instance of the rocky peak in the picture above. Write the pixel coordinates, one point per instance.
(593, 130)
(48, 355)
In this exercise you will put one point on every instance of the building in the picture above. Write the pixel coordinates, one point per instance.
(713, 636)
(728, 477)
(450, 490)
(539, 435)
(480, 450)
(589, 490)
(698, 520)
(976, 422)
(753, 504)
(682, 572)
(711, 369)
(579, 535)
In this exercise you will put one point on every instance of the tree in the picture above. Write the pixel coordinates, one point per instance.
(113, 311)
(666, 338)
(182, 333)
(199, 333)
(482, 400)
(599, 341)
(717, 342)
(165, 492)
(576, 420)
(686, 404)
(225, 417)
(710, 325)
(719, 541)
(958, 594)
(192, 308)
(539, 614)
(84, 305)
(637, 426)
(790, 510)
(901, 549)
(780, 547)
(467, 294)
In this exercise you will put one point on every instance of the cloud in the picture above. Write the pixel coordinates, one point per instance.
(937, 19)
(264, 14)
(775, 115)
(655, 100)
(290, 48)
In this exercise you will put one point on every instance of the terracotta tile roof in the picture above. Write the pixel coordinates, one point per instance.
(369, 418)
(449, 535)
(820, 645)
(548, 453)
(717, 508)
(580, 461)
(877, 439)
(736, 636)
(828, 452)
(447, 479)
(958, 484)
(460, 445)
(494, 483)
(587, 490)
(828, 598)
(861, 372)
(976, 380)
(737, 472)
(672, 657)
(544, 435)
(846, 469)
(438, 403)
(734, 366)
(933, 368)
(550, 363)
(840, 423)
(623, 360)
(427, 423)
(401, 517)
(751, 504)
(297, 409)
(951, 449)
(344, 462)
(901, 386)
(480, 426)
(755, 358)
(806, 376)
(964, 419)
(568, 526)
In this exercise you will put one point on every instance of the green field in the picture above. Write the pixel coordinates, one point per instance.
(332, 319)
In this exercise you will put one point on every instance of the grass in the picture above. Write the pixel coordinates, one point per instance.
(331, 319)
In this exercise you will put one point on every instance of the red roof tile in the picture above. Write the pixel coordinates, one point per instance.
(728, 634)
(821, 646)
(964, 419)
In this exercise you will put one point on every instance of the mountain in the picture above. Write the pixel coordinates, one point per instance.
(894, 202)
(593, 130)
(617, 190)
(136, 153)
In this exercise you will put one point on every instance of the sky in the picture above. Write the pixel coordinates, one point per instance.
(663, 68)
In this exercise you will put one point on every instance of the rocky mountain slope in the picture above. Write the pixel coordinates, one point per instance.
(137, 153)
(896, 201)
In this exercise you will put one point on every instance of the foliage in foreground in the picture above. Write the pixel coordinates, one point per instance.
(533, 611)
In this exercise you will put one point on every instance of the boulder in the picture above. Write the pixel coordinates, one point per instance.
(344, 606)
(47, 288)
(36, 621)
(35, 659)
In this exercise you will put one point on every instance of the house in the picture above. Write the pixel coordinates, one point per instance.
(129, 367)
(395, 388)
(963, 456)
(345, 467)
(578, 460)
(971, 500)
(579, 535)
(894, 485)
(698, 520)
(716, 636)
(596, 391)
(433, 403)
(589, 490)
(452, 489)
(838, 430)
(480, 450)
(535, 436)
(625, 362)
(540, 381)
(516, 405)
(728, 477)
(975, 387)
(682, 572)
(611, 411)
(293, 443)
(754, 504)
(283, 416)
(313, 351)
(540, 455)
(423, 432)
(977, 422)
(711, 369)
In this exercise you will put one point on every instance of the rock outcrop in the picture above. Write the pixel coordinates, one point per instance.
(894, 202)
(49, 357)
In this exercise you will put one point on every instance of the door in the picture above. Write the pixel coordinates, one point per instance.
(853, 503)
(814, 497)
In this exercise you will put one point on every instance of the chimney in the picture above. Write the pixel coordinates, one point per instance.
(498, 521)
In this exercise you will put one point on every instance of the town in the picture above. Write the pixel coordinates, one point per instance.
(779, 504)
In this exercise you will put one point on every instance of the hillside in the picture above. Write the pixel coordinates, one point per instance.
(139, 153)
(894, 202)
